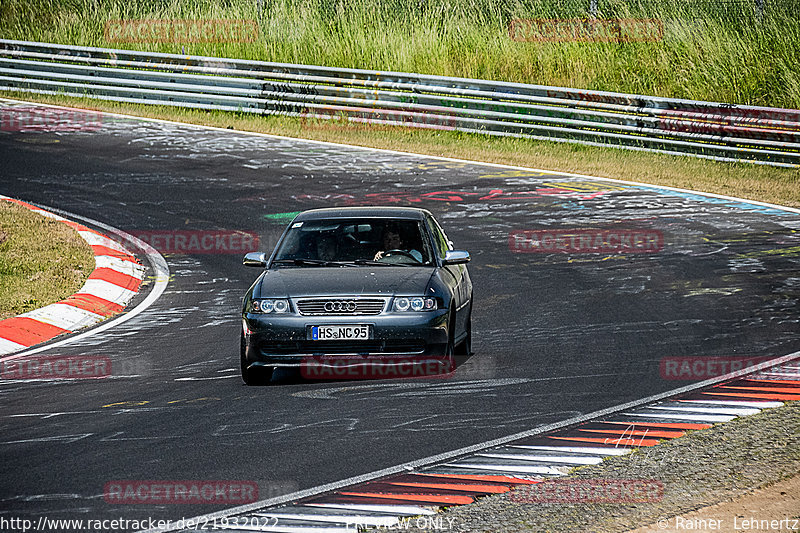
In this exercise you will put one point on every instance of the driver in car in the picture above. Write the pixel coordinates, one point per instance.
(393, 241)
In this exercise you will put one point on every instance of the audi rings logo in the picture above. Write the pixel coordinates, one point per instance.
(340, 306)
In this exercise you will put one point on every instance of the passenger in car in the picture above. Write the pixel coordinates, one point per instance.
(327, 248)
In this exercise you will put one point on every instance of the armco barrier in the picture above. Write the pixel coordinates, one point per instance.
(710, 130)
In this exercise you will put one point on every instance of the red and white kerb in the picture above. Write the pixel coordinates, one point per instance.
(113, 283)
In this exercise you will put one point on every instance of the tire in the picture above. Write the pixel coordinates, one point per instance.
(465, 346)
(252, 376)
(451, 336)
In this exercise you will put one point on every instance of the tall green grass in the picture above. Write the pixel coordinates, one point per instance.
(718, 50)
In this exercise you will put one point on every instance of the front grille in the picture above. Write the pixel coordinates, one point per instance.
(341, 306)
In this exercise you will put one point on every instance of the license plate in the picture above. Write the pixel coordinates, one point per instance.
(340, 333)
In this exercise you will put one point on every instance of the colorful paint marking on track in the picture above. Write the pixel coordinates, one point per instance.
(113, 283)
(396, 500)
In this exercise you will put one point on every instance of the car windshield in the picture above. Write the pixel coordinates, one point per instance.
(362, 241)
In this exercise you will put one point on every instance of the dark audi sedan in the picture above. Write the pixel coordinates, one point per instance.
(362, 285)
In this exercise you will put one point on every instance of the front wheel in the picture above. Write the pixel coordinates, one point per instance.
(448, 360)
(255, 375)
(465, 347)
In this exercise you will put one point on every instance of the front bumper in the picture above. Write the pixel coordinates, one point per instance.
(283, 340)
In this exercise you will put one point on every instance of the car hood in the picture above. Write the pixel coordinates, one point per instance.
(324, 281)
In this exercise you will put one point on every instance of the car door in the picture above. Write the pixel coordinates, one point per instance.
(456, 275)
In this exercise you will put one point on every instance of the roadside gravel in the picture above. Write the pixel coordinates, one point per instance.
(698, 470)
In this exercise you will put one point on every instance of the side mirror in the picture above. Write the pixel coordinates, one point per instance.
(255, 259)
(456, 257)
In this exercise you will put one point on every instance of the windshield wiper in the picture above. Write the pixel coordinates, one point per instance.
(376, 263)
(319, 262)
(307, 262)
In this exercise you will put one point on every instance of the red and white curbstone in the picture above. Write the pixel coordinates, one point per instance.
(113, 283)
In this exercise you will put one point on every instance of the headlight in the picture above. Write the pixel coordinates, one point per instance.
(269, 306)
(415, 303)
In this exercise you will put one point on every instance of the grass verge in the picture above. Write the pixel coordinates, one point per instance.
(744, 180)
(42, 261)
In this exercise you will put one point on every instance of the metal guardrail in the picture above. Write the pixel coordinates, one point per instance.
(717, 131)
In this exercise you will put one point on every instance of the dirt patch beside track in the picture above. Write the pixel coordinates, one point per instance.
(702, 469)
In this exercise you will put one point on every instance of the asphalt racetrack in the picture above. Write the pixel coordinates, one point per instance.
(556, 332)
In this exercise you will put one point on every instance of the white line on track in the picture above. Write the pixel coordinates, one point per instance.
(544, 458)
(378, 508)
